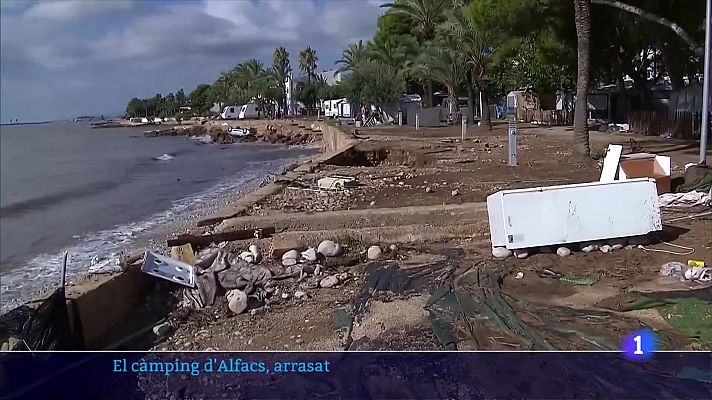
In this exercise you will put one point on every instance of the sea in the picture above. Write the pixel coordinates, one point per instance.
(97, 192)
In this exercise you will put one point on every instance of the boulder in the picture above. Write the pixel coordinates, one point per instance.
(291, 254)
(330, 248)
(374, 253)
(309, 254)
(605, 248)
(501, 252)
(521, 253)
(563, 251)
(236, 301)
(300, 295)
(329, 281)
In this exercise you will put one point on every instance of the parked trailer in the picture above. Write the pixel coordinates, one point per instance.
(230, 112)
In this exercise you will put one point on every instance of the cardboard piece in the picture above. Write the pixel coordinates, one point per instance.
(636, 165)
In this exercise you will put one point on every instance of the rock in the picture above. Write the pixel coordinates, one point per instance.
(285, 295)
(455, 193)
(616, 246)
(309, 254)
(393, 247)
(161, 330)
(288, 262)
(247, 256)
(329, 281)
(428, 189)
(373, 253)
(521, 253)
(254, 250)
(501, 252)
(330, 248)
(291, 254)
(589, 248)
(563, 251)
(519, 275)
(605, 248)
(237, 301)
(300, 295)
(342, 276)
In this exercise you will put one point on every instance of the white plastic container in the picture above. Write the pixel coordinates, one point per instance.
(545, 216)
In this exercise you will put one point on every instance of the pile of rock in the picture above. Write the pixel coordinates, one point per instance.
(605, 246)
(248, 283)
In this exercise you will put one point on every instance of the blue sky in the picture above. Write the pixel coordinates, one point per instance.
(64, 58)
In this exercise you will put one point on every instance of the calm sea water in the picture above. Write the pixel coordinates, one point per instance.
(65, 186)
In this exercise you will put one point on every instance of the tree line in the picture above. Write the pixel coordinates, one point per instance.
(482, 49)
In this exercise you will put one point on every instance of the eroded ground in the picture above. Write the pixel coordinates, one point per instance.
(451, 293)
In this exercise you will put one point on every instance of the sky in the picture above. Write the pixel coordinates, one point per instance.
(64, 58)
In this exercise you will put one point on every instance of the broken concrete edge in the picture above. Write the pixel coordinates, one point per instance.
(334, 143)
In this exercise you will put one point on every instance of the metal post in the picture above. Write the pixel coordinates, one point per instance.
(400, 118)
(706, 90)
(463, 127)
(512, 142)
(417, 121)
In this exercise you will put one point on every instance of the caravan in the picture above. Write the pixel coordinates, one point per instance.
(249, 111)
(339, 108)
(230, 112)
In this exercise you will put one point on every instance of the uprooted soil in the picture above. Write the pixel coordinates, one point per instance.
(511, 307)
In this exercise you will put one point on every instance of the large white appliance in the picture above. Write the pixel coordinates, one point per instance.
(545, 216)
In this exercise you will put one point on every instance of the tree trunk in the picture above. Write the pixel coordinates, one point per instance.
(582, 9)
(470, 100)
(429, 93)
(454, 105)
(485, 108)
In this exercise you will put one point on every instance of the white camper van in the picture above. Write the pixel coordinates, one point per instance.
(250, 111)
(339, 108)
(230, 112)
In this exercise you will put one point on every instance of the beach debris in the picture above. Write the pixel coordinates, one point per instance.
(701, 274)
(165, 157)
(329, 281)
(563, 251)
(300, 295)
(521, 253)
(309, 254)
(336, 182)
(279, 246)
(184, 253)
(162, 329)
(519, 275)
(329, 248)
(428, 189)
(673, 269)
(501, 252)
(583, 281)
(206, 240)
(589, 248)
(373, 253)
(549, 273)
(236, 301)
(290, 255)
(169, 269)
(695, 263)
(455, 192)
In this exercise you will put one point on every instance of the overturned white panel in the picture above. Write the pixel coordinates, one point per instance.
(545, 216)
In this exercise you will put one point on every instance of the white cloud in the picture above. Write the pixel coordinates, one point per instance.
(72, 10)
(158, 47)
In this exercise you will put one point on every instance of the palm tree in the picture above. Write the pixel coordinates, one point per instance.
(281, 70)
(307, 62)
(353, 56)
(446, 65)
(582, 9)
(476, 45)
(426, 14)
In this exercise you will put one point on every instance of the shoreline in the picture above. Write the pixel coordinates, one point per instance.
(148, 233)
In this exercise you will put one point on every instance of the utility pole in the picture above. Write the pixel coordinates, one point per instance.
(707, 79)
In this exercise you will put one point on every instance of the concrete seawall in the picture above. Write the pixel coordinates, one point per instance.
(103, 302)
